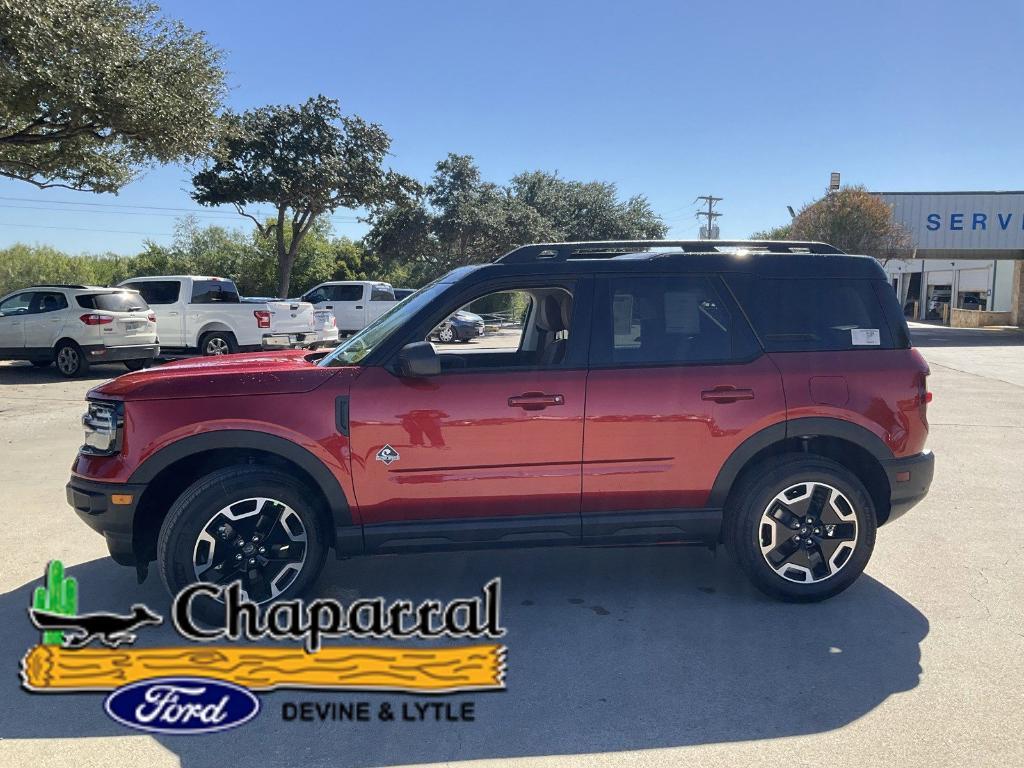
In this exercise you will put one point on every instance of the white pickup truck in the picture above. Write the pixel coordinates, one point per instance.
(206, 314)
(355, 303)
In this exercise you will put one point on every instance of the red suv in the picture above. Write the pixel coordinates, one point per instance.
(760, 394)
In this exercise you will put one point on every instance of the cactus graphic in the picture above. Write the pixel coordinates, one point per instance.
(60, 595)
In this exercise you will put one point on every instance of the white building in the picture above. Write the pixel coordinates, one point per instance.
(967, 251)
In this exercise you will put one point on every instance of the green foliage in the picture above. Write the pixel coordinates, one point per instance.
(93, 90)
(305, 161)
(856, 221)
(247, 258)
(781, 232)
(460, 219)
(60, 595)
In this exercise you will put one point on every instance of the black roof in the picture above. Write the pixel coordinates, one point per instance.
(769, 258)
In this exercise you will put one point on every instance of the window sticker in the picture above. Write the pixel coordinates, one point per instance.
(865, 337)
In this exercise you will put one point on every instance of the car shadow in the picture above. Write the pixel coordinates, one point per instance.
(940, 336)
(20, 372)
(608, 650)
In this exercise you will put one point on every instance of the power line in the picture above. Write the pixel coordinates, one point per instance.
(710, 232)
(101, 205)
(88, 229)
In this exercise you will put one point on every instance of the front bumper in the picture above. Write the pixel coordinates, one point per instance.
(94, 503)
(99, 353)
(465, 332)
(909, 480)
(289, 340)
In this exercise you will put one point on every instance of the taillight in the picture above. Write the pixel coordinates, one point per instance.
(923, 398)
(151, 317)
(262, 318)
(334, 321)
(94, 319)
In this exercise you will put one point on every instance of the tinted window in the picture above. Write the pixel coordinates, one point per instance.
(157, 292)
(49, 301)
(381, 293)
(659, 320)
(122, 301)
(214, 292)
(345, 292)
(806, 314)
(17, 304)
(316, 296)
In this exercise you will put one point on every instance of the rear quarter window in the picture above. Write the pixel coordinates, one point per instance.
(214, 292)
(806, 314)
(157, 292)
(123, 301)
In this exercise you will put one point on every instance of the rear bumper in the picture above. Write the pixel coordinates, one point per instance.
(98, 353)
(93, 502)
(289, 340)
(909, 481)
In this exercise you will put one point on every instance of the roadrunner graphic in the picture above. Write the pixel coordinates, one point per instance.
(111, 629)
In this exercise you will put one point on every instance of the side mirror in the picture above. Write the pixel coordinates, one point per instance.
(417, 360)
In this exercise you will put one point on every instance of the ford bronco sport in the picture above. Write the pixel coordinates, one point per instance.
(763, 395)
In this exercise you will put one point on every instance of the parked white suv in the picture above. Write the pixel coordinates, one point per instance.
(355, 303)
(76, 325)
(208, 315)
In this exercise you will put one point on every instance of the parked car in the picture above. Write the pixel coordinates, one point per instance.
(207, 315)
(460, 326)
(355, 303)
(77, 325)
(323, 321)
(763, 395)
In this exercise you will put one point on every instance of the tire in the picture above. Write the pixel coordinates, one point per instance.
(200, 512)
(137, 365)
(446, 335)
(760, 526)
(42, 363)
(218, 343)
(70, 359)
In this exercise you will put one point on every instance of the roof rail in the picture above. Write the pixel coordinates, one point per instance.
(57, 285)
(606, 249)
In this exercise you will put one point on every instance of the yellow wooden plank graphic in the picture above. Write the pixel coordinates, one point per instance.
(426, 670)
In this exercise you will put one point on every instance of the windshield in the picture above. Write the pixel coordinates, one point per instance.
(355, 348)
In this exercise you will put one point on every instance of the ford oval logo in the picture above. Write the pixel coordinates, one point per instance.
(182, 705)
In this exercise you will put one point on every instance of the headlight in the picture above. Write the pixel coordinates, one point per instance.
(103, 423)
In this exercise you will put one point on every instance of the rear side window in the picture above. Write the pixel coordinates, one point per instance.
(667, 320)
(214, 292)
(122, 301)
(157, 292)
(812, 313)
(49, 301)
(382, 293)
(345, 292)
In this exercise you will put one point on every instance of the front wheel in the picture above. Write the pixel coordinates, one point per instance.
(137, 365)
(254, 525)
(71, 360)
(801, 527)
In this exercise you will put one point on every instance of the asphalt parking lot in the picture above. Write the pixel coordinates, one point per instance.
(638, 657)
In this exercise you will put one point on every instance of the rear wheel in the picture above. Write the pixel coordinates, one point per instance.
(137, 365)
(446, 335)
(70, 359)
(218, 343)
(253, 525)
(801, 527)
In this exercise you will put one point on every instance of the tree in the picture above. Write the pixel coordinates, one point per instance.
(93, 90)
(459, 219)
(855, 221)
(304, 161)
(781, 232)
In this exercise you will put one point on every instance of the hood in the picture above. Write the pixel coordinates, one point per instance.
(267, 373)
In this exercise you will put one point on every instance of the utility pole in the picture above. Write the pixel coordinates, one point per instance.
(709, 232)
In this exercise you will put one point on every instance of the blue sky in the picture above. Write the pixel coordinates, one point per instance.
(754, 102)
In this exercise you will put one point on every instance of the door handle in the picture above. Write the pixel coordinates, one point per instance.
(535, 401)
(172, 314)
(329, 306)
(359, 306)
(726, 394)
